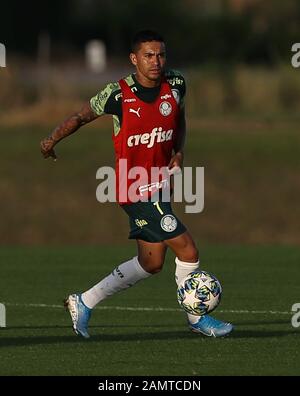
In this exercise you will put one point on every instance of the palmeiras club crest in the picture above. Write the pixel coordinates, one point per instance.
(165, 108)
(168, 223)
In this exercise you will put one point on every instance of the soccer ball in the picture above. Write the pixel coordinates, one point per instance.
(199, 293)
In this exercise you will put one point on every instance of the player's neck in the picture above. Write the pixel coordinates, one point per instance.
(145, 82)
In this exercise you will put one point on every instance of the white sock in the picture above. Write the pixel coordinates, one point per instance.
(182, 270)
(122, 277)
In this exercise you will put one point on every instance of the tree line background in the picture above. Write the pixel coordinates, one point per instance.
(251, 31)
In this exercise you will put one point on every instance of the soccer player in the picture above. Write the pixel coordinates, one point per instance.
(149, 131)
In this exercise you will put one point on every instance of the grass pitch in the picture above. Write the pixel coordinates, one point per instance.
(142, 331)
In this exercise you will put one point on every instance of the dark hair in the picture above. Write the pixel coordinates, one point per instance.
(143, 36)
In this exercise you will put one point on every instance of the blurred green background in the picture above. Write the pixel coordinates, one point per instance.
(243, 102)
(243, 106)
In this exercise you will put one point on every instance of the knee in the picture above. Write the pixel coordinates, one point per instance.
(188, 251)
(153, 267)
(156, 269)
(190, 255)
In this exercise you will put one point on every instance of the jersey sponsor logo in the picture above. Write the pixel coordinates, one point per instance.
(157, 134)
(130, 100)
(175, 81)
(168, 223)
(137, 112)
(166, 96)
(140, 223)
(155, 186)
(165, 108)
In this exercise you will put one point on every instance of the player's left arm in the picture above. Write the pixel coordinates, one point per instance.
(177, 82)
(177, 159)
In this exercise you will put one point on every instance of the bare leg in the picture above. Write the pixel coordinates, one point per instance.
(151, 256)
(184, 247)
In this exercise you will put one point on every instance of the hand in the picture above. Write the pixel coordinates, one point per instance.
(47, 150)
(176, 163)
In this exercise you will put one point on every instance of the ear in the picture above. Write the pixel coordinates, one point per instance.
(133, 59)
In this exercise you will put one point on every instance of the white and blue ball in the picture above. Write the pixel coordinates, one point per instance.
(199, 293)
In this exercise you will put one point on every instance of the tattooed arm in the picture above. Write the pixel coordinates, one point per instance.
(177, 159)
(66, 128)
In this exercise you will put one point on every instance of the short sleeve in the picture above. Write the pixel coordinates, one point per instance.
(99, 101)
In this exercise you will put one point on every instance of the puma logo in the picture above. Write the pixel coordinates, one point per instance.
(135, 111)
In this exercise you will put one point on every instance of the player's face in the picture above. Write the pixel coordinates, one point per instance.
(149, 60)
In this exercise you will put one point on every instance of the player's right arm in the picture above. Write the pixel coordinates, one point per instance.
(105, 102)
(85, 115)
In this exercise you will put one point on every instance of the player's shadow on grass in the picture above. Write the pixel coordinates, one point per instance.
(254, 322)
(262, 333)
(134, 337)
(11, 328)
(44, 340)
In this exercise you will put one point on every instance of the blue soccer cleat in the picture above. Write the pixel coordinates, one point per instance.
(80, 314)
(211, 327)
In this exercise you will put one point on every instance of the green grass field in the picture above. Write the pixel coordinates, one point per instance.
(251, 201)
(142, 331)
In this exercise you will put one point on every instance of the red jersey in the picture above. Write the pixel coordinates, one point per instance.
(144, 143)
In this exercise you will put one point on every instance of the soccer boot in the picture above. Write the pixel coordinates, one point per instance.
(80, 314)
(211, 327)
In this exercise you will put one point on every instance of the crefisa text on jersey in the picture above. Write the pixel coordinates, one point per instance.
(150, 385)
